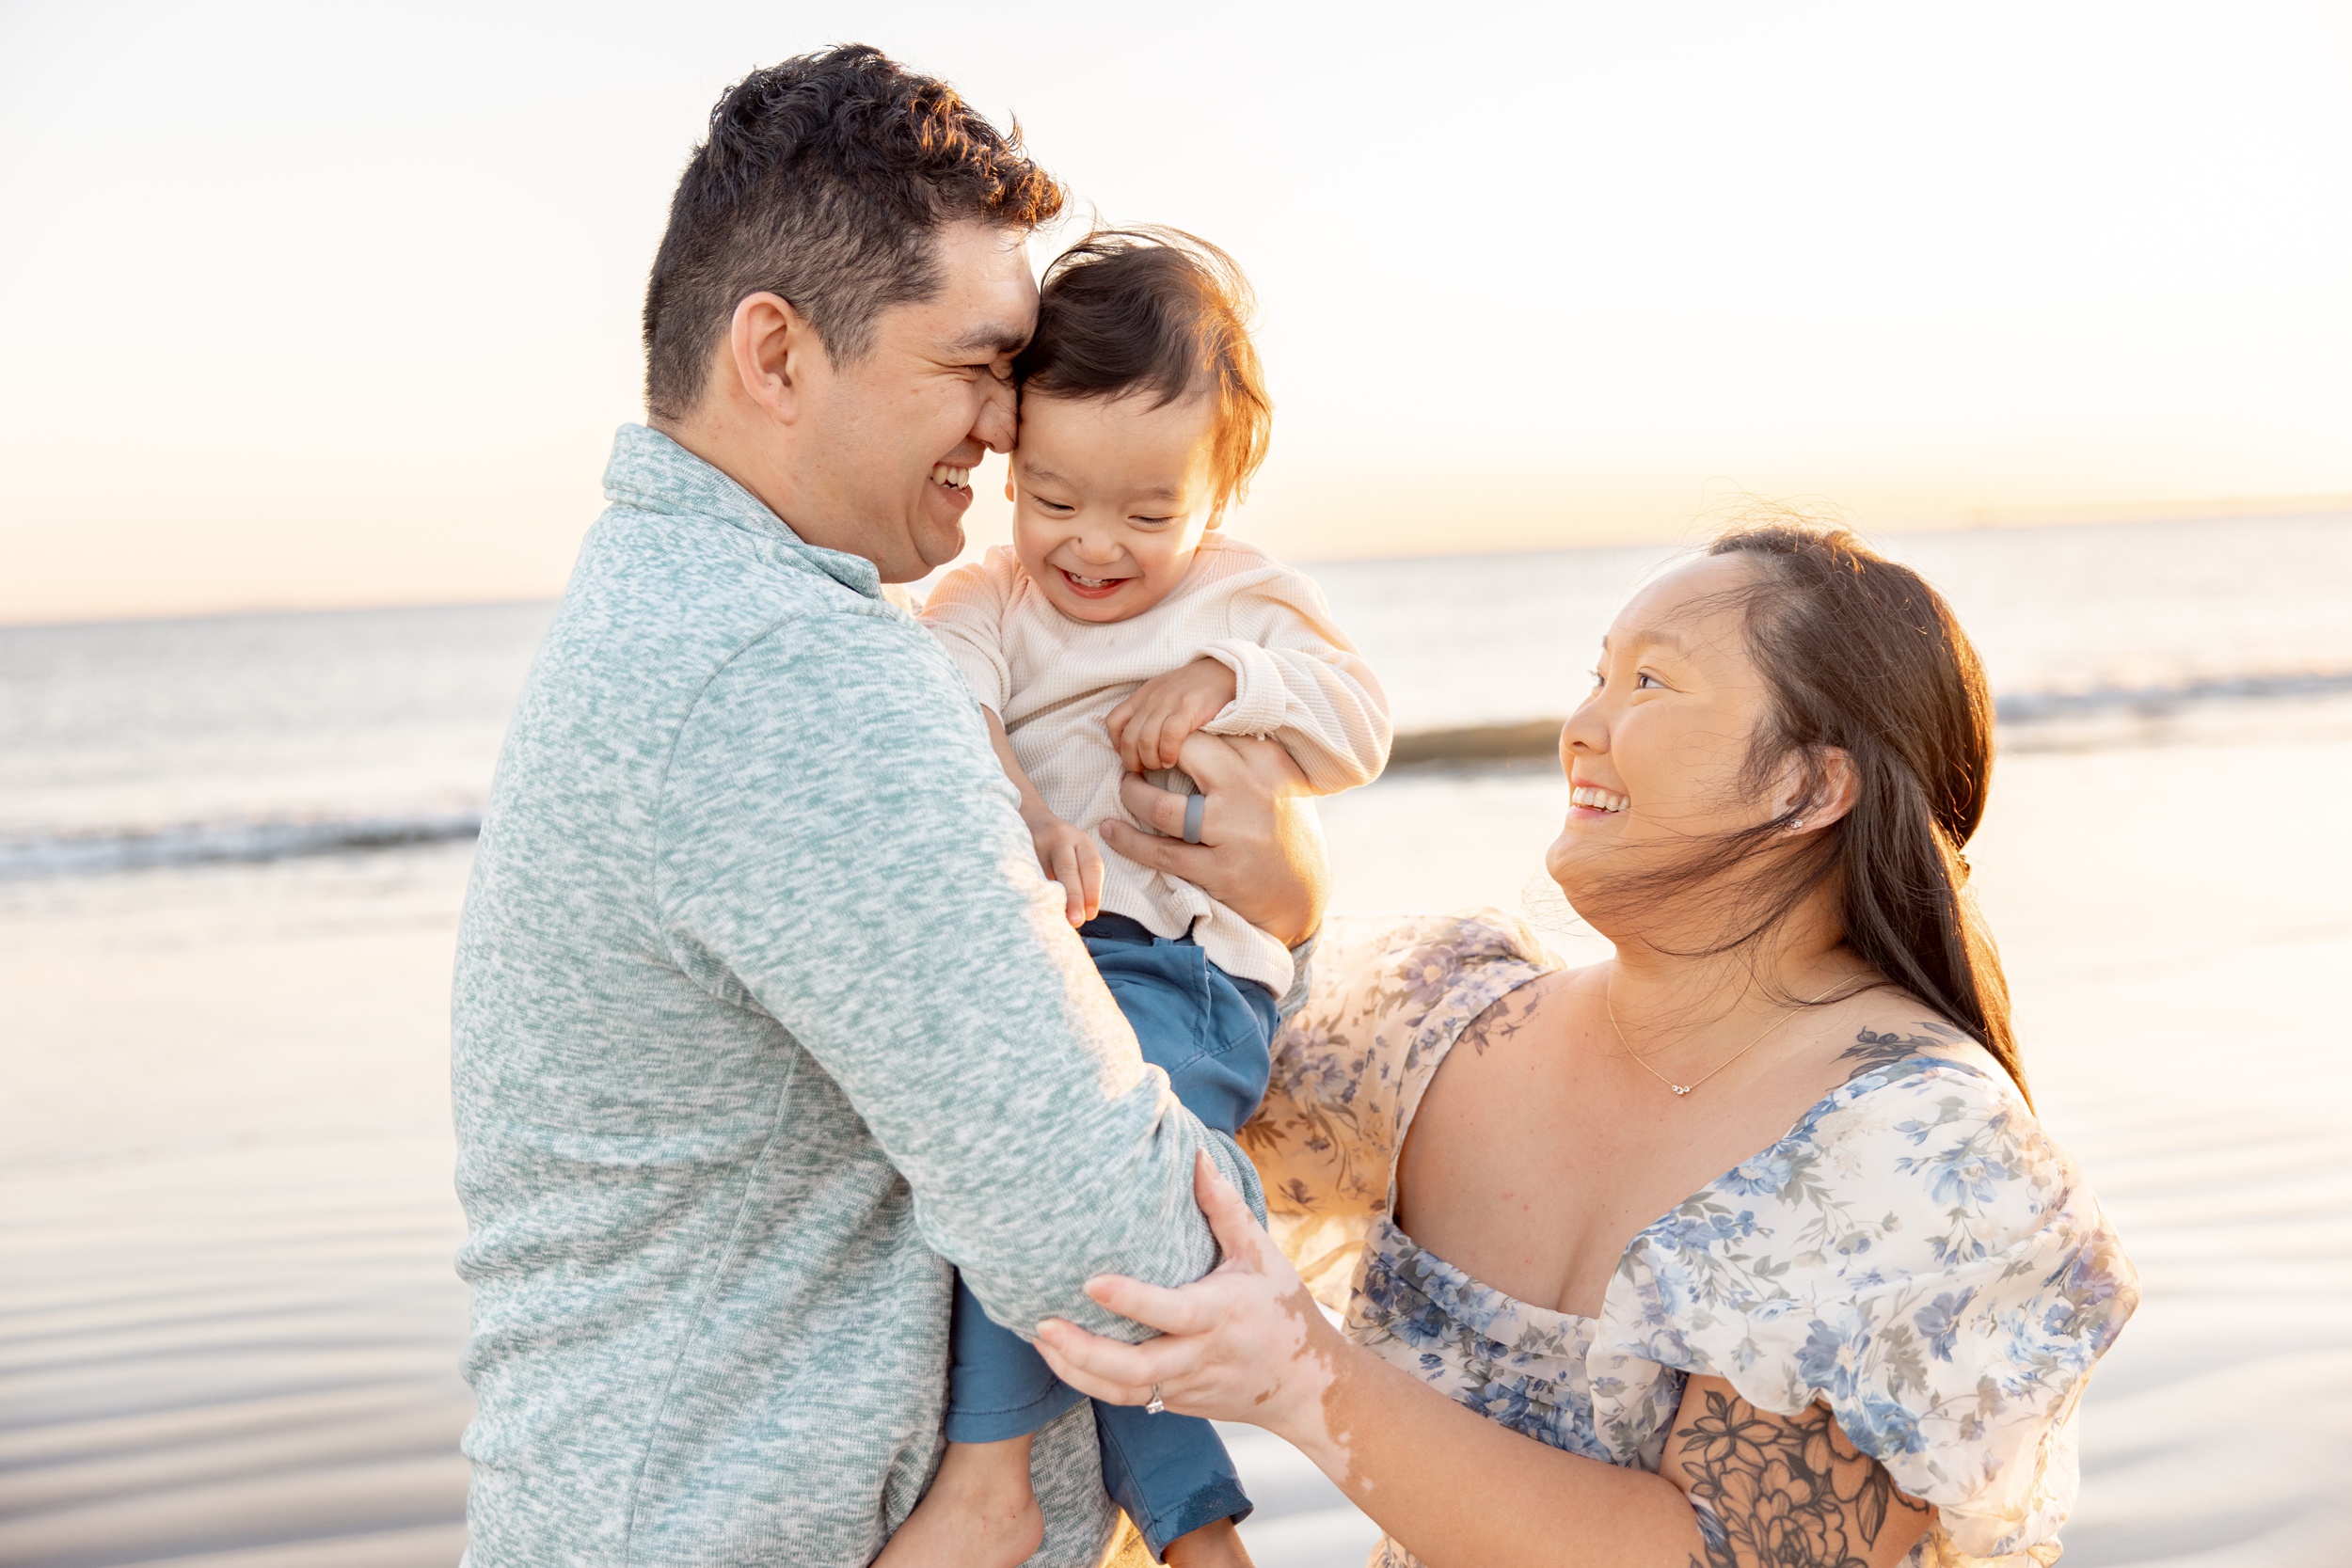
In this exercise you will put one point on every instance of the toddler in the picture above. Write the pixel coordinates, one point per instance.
(1121, 621)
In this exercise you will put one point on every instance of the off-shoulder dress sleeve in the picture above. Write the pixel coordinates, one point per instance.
(1918, 1255)
(1387, 1001)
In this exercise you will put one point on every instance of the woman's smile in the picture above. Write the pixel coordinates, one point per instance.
(1590, 801)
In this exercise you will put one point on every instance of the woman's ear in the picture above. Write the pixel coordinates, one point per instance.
(1837, 786)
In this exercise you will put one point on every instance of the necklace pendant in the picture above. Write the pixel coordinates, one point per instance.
(1681, 1088)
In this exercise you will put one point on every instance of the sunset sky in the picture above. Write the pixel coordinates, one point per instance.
(313, 306)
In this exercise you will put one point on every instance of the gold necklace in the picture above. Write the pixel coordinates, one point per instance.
(1609, 1005)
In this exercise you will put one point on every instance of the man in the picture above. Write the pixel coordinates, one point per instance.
(763, 1014)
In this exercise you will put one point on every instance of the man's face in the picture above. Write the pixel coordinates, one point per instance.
(900, 429)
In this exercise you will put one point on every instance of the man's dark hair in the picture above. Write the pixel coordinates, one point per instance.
(826, 181)
(1159, 312)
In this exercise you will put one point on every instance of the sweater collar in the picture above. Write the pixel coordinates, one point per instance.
(650, 472)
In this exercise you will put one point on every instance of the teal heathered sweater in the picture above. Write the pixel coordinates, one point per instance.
(764, 1017)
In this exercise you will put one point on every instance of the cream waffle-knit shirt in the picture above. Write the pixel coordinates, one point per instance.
(1054, 681)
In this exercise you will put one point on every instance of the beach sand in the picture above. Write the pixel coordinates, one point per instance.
(229, 1329)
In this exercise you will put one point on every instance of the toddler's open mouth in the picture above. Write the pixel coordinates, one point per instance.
(1091, 588)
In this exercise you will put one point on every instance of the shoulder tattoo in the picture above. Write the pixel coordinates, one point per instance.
(1505, 1018)
(1871, 1050)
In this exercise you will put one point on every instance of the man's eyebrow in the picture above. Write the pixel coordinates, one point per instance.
(997, 336)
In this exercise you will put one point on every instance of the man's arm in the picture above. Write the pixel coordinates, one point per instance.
(838, 847)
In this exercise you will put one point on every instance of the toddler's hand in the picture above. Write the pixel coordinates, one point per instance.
(1150, 727)
(1067, 855)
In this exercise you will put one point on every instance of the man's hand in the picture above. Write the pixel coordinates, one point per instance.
(1149, 728)
(1067, 855)
(1260, 852)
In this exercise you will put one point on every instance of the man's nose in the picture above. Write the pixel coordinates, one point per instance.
(999, 423)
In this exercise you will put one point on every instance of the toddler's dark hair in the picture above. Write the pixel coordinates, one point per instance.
(1162, 312)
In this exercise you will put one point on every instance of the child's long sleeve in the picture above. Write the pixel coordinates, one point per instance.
(1298, 679)
(965, 611)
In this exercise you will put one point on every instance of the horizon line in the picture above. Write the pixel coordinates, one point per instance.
(1979, 520)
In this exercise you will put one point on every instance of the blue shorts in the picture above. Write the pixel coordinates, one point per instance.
(1213, 1036)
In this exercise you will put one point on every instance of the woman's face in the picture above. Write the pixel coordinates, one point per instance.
(1655, 756)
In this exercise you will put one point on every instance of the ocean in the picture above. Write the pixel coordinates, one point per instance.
(232, 849)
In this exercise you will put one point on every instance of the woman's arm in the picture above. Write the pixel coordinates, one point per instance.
(1247, 1344)
(1740, 1488)
(1784, 1489)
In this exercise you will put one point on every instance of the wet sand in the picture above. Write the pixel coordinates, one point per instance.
(229, 1328)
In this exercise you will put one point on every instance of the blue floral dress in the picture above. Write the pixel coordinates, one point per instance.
(1916, 1254)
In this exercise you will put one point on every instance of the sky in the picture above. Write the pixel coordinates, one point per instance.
(318, 305)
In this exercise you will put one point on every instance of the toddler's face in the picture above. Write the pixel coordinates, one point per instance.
(1110, 498)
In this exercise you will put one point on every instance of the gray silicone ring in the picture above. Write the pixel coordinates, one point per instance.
(1196, 806)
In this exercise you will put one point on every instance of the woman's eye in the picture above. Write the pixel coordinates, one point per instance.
(1599, 679)
(1645, 679)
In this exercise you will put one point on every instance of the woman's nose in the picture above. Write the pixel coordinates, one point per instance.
(1585, 731)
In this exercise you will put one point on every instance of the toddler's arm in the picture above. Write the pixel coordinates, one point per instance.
(1149, 728)
(1289, 672)
(1064, 852)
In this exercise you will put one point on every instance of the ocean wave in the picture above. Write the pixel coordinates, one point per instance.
(2080, 716)
(2156, 702)
(2074, 718)
(85, 851)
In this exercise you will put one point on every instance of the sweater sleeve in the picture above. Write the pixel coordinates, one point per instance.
(1297, 678)
(965, 611)
(837, 847)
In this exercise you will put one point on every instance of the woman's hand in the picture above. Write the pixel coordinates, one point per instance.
(1245, 1343)
(1260, 852)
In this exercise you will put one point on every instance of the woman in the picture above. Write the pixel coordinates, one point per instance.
(1743, 1247)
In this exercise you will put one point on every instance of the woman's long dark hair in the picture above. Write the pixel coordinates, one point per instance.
(1860, 655)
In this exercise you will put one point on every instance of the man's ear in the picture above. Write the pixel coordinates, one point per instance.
(1837, 786)
(776, 354)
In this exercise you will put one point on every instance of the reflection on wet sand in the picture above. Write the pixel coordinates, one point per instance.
(228, 1328)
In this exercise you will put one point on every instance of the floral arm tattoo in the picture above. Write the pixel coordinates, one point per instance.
(1786, 1492)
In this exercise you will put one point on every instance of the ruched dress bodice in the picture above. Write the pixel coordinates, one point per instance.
(1916, 1254)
